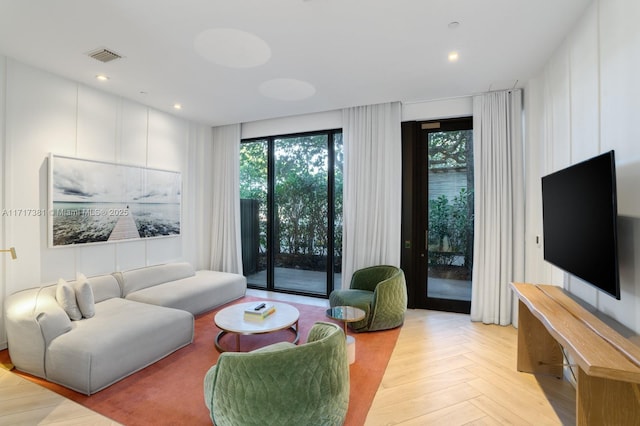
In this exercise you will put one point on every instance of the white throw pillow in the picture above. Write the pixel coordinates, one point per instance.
(66, 297)
(84, 296)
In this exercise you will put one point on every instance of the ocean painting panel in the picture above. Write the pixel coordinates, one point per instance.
(97, 202)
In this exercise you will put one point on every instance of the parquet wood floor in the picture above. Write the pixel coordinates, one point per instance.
(446, 369)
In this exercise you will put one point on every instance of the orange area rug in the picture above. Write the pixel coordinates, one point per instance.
(170, 392)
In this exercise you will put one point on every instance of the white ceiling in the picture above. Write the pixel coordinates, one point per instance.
(344, 52)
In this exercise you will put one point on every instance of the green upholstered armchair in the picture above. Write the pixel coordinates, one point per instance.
(282, 384)
(381, 292)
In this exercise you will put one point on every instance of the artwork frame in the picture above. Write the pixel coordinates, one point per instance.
(99, 202)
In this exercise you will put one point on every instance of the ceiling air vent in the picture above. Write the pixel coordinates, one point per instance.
(104, 55)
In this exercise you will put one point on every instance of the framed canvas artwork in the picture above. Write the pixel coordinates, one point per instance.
(99, 202)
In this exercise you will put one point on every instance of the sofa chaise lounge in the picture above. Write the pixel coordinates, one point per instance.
(141, 316)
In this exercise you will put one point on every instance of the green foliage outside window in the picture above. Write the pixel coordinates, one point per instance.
(301, 179)
(449, 150)
(450, 232)
(450, 229)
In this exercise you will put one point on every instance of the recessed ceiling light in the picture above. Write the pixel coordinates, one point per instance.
(453, 25)
(102, 77)
(453, 56)
(177, 106)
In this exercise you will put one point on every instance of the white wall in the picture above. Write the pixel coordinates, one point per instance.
(294, 124)
(437, 109)
(43, 113)
(584, 102)
(418, 111)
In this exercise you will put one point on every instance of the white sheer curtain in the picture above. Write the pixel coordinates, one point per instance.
(498, 250)
(226, 249)
(196, 191)
(372, 187)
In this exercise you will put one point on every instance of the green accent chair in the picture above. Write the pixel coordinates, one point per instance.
(381, 292)
(282, 384)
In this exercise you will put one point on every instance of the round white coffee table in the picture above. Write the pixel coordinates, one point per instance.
(231, 320)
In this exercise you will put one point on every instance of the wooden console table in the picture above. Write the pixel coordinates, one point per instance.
(608, 373)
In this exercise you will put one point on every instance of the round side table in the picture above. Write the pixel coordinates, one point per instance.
(347, 314)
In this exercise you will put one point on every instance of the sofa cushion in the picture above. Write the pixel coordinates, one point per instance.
(104, 287)
(84, 296)
(149, 276)
(122, 338)
(196, 294)
(66, 297)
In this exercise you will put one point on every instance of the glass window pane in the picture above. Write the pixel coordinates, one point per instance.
(301, 176)
(253, 211)
(450, 209)
(338, 212)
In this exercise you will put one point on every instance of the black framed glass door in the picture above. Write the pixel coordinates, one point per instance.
(439, 251)
(291, 206)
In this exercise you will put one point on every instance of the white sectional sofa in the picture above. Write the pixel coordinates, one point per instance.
(178, 286)
(141, 316)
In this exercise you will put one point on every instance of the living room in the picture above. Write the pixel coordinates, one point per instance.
(578, 102)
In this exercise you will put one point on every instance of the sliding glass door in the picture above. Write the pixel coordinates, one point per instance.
(291, 195)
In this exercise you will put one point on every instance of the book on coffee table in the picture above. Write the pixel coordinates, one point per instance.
(259, 312)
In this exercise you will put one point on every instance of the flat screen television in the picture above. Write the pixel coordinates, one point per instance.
(579, 215)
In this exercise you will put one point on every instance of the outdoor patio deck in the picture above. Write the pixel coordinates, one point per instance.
(315, 282)
(297, 280)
